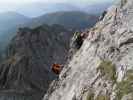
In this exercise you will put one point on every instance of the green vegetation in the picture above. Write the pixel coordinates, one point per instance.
(103, 97)
(125, 87)
(90, 96)
(108, 70)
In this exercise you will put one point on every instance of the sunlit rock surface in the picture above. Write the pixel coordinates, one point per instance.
(103, 67)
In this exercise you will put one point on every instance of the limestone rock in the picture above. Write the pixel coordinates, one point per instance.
(103, 67)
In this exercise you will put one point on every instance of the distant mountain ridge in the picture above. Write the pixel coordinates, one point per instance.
(11, 19)
(40, 8)
(69, 19)
(9, 22)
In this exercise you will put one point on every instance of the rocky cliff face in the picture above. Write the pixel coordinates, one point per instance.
(102, 69)
(26, 74)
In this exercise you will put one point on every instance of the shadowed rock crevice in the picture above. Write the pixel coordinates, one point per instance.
(127, 42)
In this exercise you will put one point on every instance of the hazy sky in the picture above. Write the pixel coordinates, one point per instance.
(14, 2)
(13, 5)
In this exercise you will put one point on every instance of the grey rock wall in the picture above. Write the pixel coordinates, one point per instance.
(103, 68)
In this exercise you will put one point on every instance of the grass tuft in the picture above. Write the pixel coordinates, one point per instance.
(102, 97)
(108, 69)
(126, 86)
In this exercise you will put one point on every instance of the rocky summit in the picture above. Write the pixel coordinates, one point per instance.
(102, 69)
(26, 72)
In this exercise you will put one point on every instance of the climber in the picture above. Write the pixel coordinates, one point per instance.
(103, 15)
(56, 68)
(78, 39)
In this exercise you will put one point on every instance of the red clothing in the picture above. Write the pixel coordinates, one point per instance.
(56, 68)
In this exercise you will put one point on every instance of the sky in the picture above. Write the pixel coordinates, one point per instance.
(14, 2)
(13, 5)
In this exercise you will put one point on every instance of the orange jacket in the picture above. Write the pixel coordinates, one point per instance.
(56, 68)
